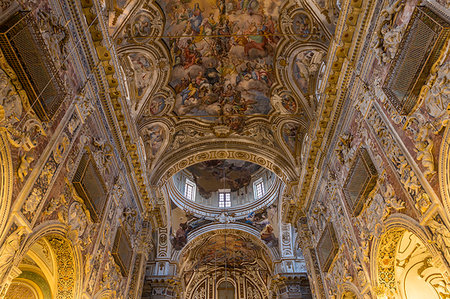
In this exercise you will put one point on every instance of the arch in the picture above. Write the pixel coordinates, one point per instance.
(222, 149)
(105, 294)
(384, 251)
(226, 281)
(67, 257)
(270, 255)
(6, 181)
(444, 170)
(348, 287)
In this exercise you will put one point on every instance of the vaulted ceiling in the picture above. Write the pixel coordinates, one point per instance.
(223, 74)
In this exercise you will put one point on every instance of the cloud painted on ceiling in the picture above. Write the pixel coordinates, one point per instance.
(223, 54)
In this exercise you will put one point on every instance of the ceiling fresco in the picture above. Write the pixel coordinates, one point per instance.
(231, 249)
(223, 54)
(210, 176)
(206, 71)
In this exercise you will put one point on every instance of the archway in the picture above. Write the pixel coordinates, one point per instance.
(48, 267)
(6, 181)
(217, 258)
(407, 268)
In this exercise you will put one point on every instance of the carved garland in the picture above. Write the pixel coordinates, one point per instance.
(406, 174)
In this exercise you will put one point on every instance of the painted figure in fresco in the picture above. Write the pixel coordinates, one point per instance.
(228, 58)
(196, 18)
(156, 105)
(262, 74)
(289, 103)
(246, 74)
(223, 43)
(189, 92)
(154, 137)
(180, 239)
(306, 66)
(212, 75)
(248, 5)
(191, 55)
(250, 218)
(290, 135)
(303, 26)
(142, 71)
(256, 39)
(268, 236)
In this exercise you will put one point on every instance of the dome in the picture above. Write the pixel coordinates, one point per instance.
(234, 186)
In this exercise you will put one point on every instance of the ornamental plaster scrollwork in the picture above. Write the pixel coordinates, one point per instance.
(440, 236)
(345, 149)
(406, 174)
(84, 108)
(24, 167)
(389, 33)
(103, 154)
(9, 250)
(338, 275)
(223, 154)
(377, 208)
(111, 278)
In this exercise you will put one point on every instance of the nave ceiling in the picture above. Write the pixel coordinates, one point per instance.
(197, 148)
(220, 74)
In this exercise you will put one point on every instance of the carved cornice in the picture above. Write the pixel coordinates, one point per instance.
(110, 94)
(341, 56)
(236, 150)
(211, 213)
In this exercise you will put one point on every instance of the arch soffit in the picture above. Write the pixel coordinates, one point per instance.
(208, 231)
(350, 287)
(6, 182)
(398, 221)
(222, 149)
(55, 228)
(444, 172)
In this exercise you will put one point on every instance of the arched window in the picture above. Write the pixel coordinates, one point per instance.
(226, 290)
(224, 198)
(189, 190)
(258, 187)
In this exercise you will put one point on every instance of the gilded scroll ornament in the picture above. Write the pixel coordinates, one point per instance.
(9, 250)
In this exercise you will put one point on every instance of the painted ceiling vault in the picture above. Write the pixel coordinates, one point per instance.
(240, 73)
(223, 89)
